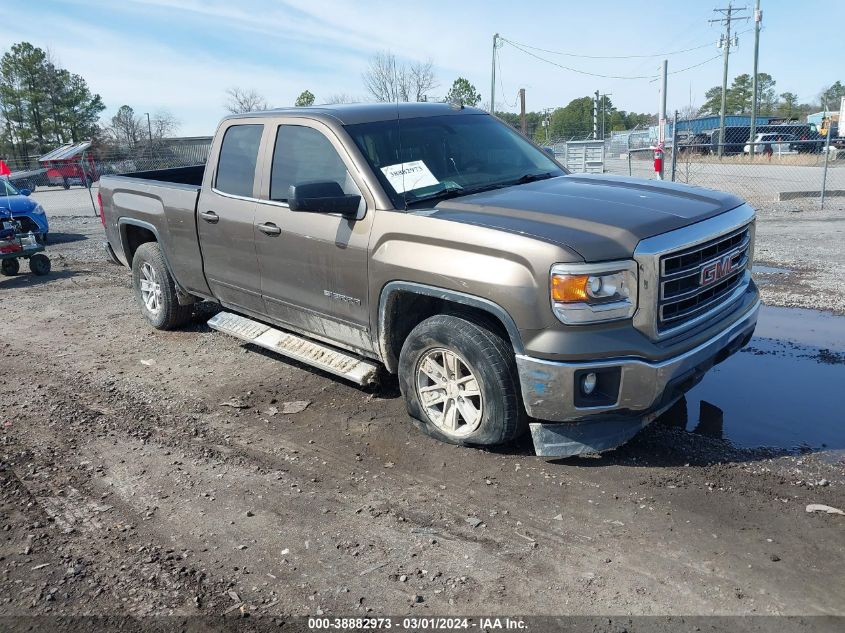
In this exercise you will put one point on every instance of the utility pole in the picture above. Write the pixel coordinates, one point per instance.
(493, 75)
(758, 20)
(661, 121)
(149, 128)
(523, 124)
(596, 116)
(729, 14)
(603, 96)
(547, 122)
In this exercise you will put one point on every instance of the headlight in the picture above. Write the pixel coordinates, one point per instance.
(38, 210)
(590, 293)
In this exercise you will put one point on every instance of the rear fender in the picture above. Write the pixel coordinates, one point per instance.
(183, 296)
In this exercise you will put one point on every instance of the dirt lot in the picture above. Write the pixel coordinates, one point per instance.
(158, 473)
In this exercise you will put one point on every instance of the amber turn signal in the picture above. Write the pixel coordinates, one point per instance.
(569, 288)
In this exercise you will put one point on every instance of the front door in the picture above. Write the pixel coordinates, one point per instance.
(226, 220)
(313, 265)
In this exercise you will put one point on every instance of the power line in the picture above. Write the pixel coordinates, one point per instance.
(574, 70)
(675, 72)
(579, 55)
(584, 72)
(502, 85)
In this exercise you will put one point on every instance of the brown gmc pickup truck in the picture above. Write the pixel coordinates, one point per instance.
(437, 243)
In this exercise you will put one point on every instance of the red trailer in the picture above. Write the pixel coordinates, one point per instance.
(70, 164)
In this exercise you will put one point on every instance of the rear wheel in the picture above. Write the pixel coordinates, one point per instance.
(39, 264)
(460, 382)
(9, 267)
(156, 290)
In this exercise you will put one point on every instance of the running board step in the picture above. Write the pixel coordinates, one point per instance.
(310, 352)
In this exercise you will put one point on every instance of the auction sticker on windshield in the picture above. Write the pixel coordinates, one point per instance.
(409, 176)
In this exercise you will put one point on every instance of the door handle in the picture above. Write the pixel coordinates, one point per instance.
(268, 228)
(210, 216)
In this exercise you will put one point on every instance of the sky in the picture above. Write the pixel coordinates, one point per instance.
(181, 55)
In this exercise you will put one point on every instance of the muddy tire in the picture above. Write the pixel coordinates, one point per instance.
(156, 290)
(9, 267)
(460, 383)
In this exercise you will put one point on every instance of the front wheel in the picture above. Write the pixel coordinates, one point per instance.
(460, 382)
(156, 290)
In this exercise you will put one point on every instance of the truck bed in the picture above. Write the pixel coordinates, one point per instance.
(191, 175)
(163, 202)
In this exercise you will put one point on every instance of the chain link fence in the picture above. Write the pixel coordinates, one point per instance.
(781, 162)
(69, 187)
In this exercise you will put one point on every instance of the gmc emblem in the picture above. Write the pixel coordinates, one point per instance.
(716, 270)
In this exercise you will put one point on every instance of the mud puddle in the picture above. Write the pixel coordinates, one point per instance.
(786, 389)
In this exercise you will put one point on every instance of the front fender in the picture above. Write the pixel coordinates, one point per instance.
(505, 274)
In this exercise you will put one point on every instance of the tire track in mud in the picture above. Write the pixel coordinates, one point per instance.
(122, 423)
(379, 482)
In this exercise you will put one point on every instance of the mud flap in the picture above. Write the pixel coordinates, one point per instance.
(565, 439)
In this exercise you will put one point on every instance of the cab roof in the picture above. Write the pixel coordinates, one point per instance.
(352, 113)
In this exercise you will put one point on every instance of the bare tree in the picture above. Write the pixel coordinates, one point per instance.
(340, 97)
(163, 124)
(421, 75)
(388, 80)
(380, 78)
(689, 111)
(240, 101)
(125, 127)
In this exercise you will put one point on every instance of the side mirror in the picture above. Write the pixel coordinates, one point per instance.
(24, 192)
(322, 197)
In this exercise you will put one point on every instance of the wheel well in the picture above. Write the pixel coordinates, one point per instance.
(133, 237)
(405, 310)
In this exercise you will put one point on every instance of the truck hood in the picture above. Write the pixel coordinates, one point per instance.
(598, 217)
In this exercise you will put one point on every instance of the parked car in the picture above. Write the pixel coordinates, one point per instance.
(29, 179)
(694, 143)
(16, 203)
(436, 243)
(774, 143)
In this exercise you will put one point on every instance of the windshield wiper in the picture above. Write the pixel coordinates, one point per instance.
(530, 178)
(455, 190)
(448, 191)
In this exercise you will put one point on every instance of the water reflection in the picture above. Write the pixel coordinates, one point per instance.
(777, 391)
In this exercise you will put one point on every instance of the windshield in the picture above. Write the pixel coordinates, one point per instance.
(6, 188)
(422, 158)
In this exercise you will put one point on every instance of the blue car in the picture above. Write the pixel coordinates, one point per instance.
(22, 208)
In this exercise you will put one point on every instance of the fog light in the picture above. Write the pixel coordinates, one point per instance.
(588, 383)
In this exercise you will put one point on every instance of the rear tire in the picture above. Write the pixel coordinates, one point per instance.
(9, 267)
(460, 383)
(39, 264)
(156, 290)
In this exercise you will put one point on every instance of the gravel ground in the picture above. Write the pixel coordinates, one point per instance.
(145, 472)
(809, 242)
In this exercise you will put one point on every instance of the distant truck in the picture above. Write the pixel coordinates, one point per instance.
(805, 137)
(436, 243)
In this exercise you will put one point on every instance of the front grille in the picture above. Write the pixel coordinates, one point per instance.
(698, 279)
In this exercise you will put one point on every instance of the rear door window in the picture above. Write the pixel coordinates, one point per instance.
(238, 157)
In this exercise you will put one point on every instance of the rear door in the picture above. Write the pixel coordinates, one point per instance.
(226, 217)
(313, 265)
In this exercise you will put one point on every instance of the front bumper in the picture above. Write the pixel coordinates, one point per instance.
(645, 389)
(32, 222)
